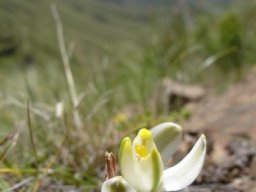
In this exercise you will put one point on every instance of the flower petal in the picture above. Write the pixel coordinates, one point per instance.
(186, 171)
(116, 184)
(126, 164)
(167, 137)
(150, 170)
(142, 171)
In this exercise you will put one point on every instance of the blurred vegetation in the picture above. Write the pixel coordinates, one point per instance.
(118, 54)
(231, 39)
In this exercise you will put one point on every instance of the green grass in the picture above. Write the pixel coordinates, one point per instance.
(104, 34)
(118, 59)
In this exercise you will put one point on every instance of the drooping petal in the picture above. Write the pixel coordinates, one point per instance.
(127, 164)
(167, 137)
(116, 184)
(186, 171)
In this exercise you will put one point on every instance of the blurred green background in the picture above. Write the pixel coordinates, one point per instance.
(118, 51)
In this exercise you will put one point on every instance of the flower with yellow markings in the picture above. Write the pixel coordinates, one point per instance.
(142, 161)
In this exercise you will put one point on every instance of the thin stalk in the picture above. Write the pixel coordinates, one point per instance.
(31, 132)
(67, 68)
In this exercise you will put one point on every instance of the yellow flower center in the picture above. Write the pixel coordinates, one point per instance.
(141, 149)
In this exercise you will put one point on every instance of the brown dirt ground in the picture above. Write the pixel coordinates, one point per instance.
(229, 122)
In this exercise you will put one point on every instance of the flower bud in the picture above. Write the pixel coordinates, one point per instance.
(116, 184)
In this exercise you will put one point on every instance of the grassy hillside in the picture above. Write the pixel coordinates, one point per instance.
(101, 31)
(91, 24)
(122, 50)
(31, 70)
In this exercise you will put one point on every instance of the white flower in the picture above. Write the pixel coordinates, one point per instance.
(142, 166)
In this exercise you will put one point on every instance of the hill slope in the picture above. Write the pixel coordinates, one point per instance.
(27, 26)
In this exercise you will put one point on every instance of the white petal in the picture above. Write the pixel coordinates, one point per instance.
(150, 170)
(116, 184)
(143, 173)
(186, 171)
(149, 167)
(167, 137)
(127, 165)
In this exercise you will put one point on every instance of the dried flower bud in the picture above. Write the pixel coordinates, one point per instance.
(110, 165)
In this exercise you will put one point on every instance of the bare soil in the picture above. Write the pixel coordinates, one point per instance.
(229, 122)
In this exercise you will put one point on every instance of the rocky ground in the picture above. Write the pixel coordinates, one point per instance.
(229, 122)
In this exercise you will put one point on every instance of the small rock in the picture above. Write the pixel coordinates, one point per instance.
(170, 95)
